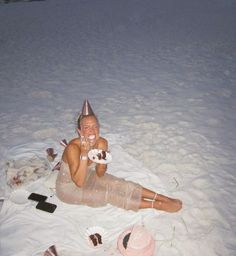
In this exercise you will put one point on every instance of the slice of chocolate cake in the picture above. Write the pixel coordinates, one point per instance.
(96, 239)
(93, 239)
(99, 238)
(102, 155)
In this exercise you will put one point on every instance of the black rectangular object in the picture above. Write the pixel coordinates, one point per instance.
(37, 197)
(45, 206)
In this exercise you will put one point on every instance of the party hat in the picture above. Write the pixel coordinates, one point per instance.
(87, 110)
(51, 251)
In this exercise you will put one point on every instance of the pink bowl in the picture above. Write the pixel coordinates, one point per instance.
(136, 241)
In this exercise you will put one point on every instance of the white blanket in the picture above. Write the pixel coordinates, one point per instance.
(24, 230)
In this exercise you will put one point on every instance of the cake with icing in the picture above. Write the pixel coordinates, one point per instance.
(136, 241)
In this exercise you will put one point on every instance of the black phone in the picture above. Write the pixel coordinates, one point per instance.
(45, 206)
(37, 197)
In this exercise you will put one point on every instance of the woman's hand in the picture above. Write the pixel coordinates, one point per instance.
(84, 146)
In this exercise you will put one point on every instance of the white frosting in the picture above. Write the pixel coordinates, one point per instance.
(139, 238)
(140, 242)
(91, 137)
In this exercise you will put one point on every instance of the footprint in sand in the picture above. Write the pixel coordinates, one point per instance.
(201, 183)
(46, 133)
(168, 249)
(199, 222)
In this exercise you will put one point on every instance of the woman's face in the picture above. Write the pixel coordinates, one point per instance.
(89, 129)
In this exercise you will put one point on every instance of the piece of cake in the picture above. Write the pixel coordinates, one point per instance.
(102, 155)
(96, 239)
(99, 238)
(95, 236)
(93, 239)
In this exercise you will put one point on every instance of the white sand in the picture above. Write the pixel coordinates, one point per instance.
(161, 77)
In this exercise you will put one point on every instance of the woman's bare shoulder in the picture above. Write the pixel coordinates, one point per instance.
(74, 141)
(102, 143)
(72, 147)
(103, 140)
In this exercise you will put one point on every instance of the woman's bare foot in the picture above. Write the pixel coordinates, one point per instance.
(170, 205)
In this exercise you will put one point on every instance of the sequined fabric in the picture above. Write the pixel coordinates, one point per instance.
(98, 191)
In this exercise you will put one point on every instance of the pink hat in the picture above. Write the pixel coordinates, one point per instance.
(136, 241)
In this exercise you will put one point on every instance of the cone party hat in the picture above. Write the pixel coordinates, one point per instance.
(87, 110)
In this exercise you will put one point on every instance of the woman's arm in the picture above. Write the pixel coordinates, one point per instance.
(101, 168)
(78, 167)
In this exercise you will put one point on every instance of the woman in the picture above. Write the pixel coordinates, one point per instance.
(80, 181)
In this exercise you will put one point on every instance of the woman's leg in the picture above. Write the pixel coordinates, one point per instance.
(172, 206)
(159, 202)
(148, 194)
